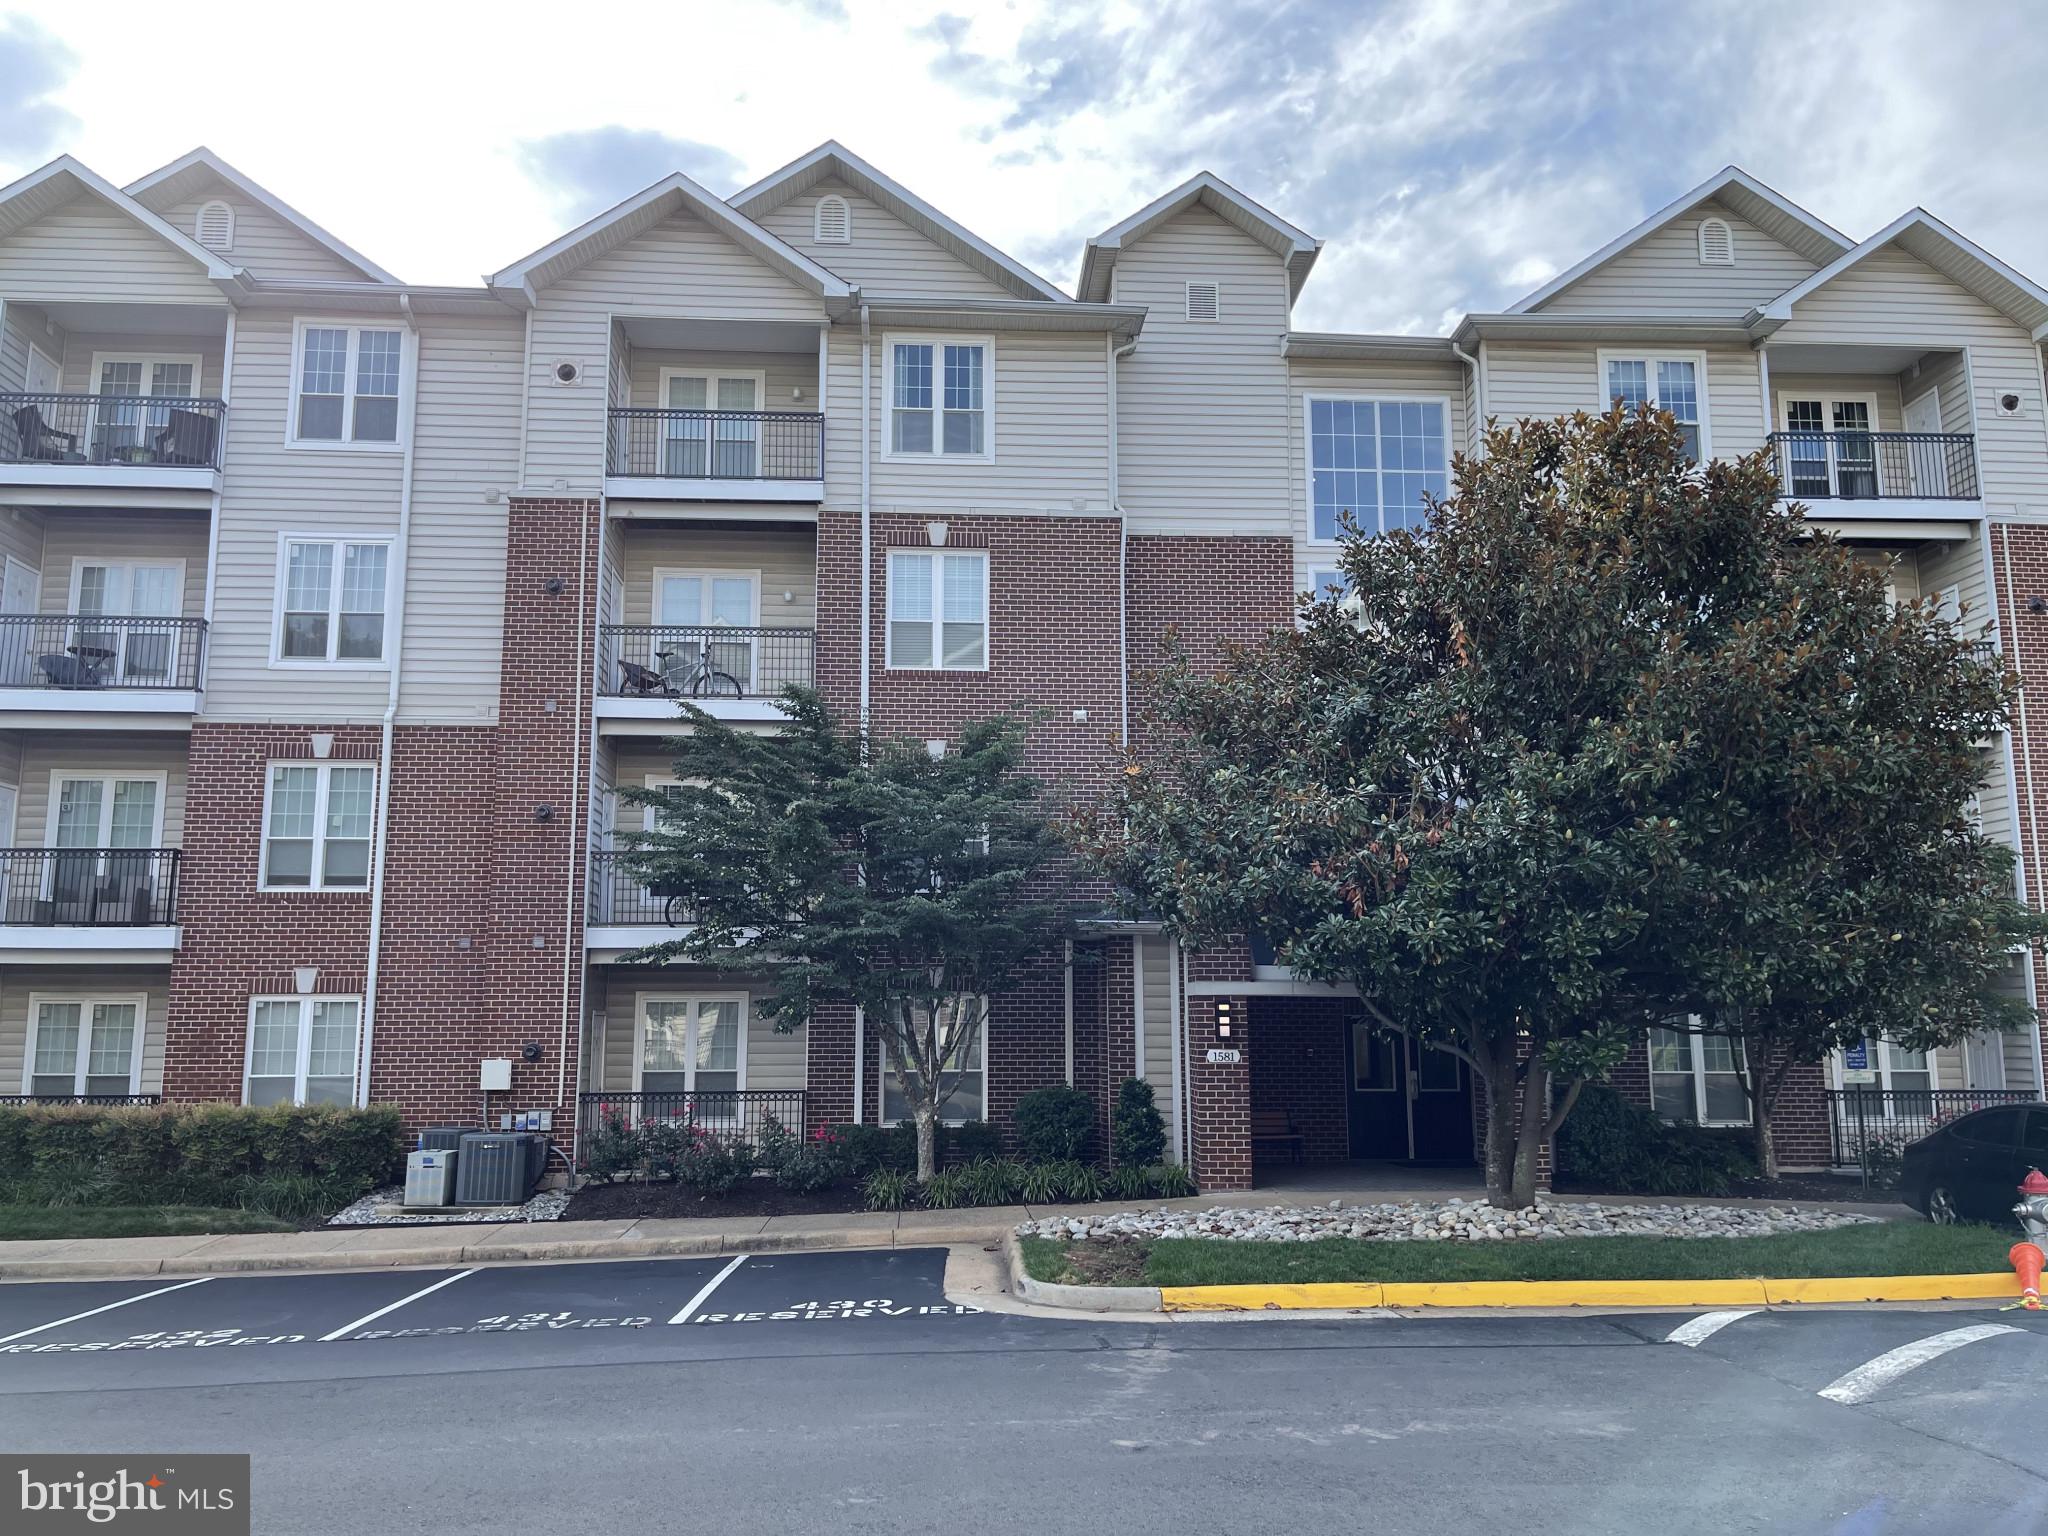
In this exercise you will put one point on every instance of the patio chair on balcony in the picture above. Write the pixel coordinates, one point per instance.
(43, 443)
(187, 438)
(72, 671)
(636, 681)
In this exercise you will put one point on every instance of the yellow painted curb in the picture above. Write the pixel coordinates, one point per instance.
(1580, 1293)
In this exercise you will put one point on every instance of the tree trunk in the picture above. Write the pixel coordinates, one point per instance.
(927, 1117)
(1533, 1121)
(1766, 1151)
(1498, 1071)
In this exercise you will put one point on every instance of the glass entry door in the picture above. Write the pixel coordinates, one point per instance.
(687, 604)
(706, 442)
(133, 653)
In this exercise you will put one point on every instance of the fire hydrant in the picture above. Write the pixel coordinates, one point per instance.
(2026, 1255)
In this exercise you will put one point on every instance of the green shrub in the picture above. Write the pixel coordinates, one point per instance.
(1614, 1145)
(611, 1147)
(973, 1141)
(1082, 1181)
(711, 1164)
(947, 1190)
(887, 1190)
(1128, 1181)
(993, 1181)
(1171, 1181)
(1041, 1185)
(1055, 1125)
(799, 1166)
(1137, 1134)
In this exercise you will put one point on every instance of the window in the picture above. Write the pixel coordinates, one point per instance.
(316, 826)
(969, 1058)
(127, 417)
(345, 385)
(1827, 449)
(1373, 1067)
(1879, 1066)
(83, 1045)
(938, 609)
(331, 600)
(214, 227)
(302, 1050)
(692, 1045)
(938, 399)
(712, 429)
(834, 221)
(1674, 383)
(1324, 585)
(1205, 302)
(1717, 243)
(1697, 1078)
(1373, 461)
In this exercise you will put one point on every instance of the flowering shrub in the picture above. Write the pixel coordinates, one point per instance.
(611, 1148)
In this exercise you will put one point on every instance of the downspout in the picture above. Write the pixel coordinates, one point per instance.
(579, 839)
(867, 597)
(384, 741)
(2009, 646)
(1123, 553)
(227, 374)
(1476, 430)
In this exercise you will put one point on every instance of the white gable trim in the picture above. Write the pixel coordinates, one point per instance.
(220, 271)
(204, 158)
(1712, 188)
(833, 158)
(1294, 246)
(2033, 314)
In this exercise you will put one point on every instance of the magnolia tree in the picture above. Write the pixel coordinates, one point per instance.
(913, 886)
(1615, 740)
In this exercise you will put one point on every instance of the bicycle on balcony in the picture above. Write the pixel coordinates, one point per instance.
(684, 674)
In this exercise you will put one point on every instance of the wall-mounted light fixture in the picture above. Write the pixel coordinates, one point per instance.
(1226, 1016)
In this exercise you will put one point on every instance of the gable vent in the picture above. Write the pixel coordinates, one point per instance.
(1205, 301)
(1717, 243)
(215, 226)
(835, 221)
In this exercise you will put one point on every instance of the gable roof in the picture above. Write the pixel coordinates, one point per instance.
(832, 159)
(1919, 233)
(50, 187)
(190, 173)
(643, 211)
(1296, 247)
(1777, 216)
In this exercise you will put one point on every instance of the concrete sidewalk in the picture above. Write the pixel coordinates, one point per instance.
(517, 1242)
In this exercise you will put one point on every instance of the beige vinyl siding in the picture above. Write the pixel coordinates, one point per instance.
(79, 377)
(1050, 401)
(18, 984)
(16, 336)
(23, 534)
(2021, 1048)
(1158, 1058)
(136, 538)
(1204, 426)
(782, 373)
(1891, 298)
(85, 251)
(265, 244)
(785, 559)
(1948, 373)
(1961, 565)
(1888, 416)
(774, 1060)
(1661, 274)
(886, 257)
(465, 441)
(97, 754)
(682, 267)
(1528, 379)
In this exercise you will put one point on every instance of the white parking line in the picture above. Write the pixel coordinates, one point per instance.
(1871, 1377)
(704, 1295)
(1702, 1328)
(371, 1317)
(110, 1306)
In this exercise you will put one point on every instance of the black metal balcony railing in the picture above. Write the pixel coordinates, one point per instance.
(733, 1114)
(105, 1100)
(91, 650)
(716, 445)
(696, 661)
(1862, 1117)
(1877, 466)
(163, 431)
(88, 887)
(617, 898)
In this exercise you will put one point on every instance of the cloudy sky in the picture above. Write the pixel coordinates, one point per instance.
(1452, 153)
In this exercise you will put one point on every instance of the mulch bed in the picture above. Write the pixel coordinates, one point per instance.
(755, 1197)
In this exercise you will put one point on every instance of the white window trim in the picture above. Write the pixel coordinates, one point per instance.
(349, 664)
(1652, 356)
(938, 618)
(818, 235)
(323, 778)
(938, 341)
(1308, 447)
(711, 376)
(884, 1077)
(126, 563)
(1696, 1054)
(305, 1001)
(148, 361)
(106, 778)
(85, 1000)
(407, 363)
(696, 1000)
(1881, 1056)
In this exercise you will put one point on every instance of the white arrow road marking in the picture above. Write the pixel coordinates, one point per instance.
(370, 1317)
(110, 1306)
(698, 1300)
(1871, 1377)
(1702, 1328)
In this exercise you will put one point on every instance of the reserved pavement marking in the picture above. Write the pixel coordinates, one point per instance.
(371, 1317)
(110, 1306)
(1702, 1328)
(704, 1295)
(1871, 1377)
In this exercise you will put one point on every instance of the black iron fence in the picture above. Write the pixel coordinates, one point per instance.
(163, 431)
(716, 445)
(1868, 1126)
(698, 661)
(617, 897)
(88, 887)
(734, 1114)
(1877, 466)
(91, 650)
(106, 1100)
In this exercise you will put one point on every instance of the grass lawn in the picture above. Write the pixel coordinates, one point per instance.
(1885, 1248)
(49, 1221)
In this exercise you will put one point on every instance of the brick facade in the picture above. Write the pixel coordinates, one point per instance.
(1299, 1068)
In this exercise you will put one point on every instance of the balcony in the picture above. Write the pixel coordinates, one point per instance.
(165, 441)
(679, 455)
(77, 901)
(733, 672)
(119, 667)
(1877, 466)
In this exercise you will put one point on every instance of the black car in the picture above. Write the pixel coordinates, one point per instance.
(1970, 1168)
